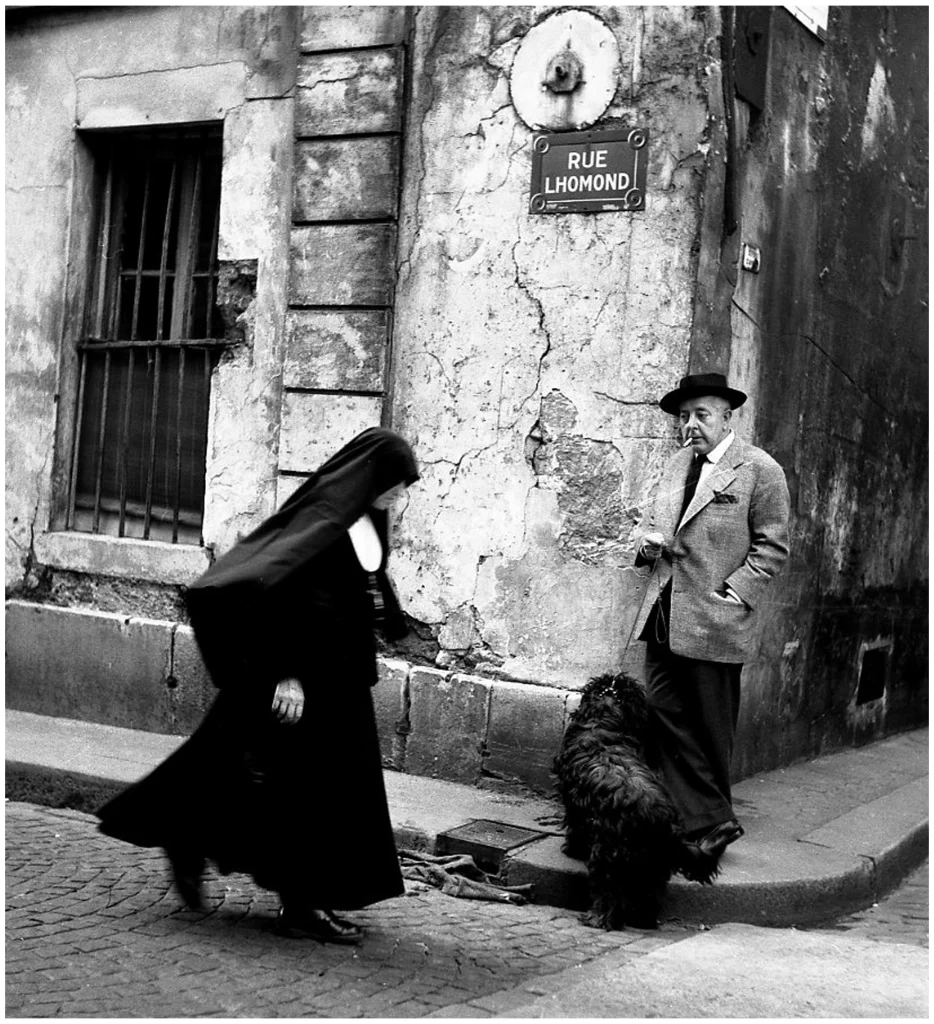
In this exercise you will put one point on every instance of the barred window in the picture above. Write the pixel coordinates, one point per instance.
(152, 337)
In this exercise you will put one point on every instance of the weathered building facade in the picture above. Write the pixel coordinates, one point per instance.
(374, 254)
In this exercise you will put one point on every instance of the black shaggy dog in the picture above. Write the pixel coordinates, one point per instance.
(618, 815)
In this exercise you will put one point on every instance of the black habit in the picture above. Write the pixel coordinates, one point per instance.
(302, 808)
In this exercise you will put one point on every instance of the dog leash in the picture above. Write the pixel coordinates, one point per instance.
(658, 595)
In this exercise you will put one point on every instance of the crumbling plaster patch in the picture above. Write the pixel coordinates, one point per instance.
(880, 115)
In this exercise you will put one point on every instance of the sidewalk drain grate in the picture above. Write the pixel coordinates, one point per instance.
(486, 841)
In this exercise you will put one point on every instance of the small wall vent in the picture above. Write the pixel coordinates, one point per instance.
(873, 673)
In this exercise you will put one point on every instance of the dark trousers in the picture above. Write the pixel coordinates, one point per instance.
(694, 706)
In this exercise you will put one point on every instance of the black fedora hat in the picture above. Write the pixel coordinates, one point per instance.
(697, 384)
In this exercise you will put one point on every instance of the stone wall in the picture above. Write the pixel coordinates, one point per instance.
(530, 350)
(381, 265)
(146, 673)
(830, 341)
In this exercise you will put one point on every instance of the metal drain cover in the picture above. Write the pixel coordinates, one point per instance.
(486, 841)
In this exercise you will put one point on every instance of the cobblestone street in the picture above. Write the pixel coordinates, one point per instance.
(94, 929)
(903, 916)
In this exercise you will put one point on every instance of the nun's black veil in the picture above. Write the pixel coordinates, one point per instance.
(231, 604)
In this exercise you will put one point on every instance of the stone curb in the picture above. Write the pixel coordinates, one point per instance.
(816, 883)
(846, 884)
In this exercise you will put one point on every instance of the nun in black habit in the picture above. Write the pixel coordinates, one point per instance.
(283, 778)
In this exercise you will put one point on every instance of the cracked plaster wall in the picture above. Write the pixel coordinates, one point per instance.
(530, 350)
(118, 67)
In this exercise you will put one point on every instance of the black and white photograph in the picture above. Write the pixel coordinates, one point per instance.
(467, 482)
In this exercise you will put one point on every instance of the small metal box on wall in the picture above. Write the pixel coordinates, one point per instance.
(587, 172)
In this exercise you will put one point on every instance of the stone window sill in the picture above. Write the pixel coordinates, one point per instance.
(152, 561)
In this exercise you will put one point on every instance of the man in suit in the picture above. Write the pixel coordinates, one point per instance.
(716, 538)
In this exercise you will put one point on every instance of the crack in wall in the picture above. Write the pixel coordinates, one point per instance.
(354, 76)
(746, 313)
(34, 575)
(543, 330)
(635, 69)
(26, 189)
(160, 71)
(444, 372)
(625, 401)
(418, 187)
(839, 369)
(480, 133)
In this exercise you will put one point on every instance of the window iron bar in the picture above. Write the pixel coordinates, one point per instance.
(101, 443)
(164, 256)
(104, 243)
(177, 493)
(125, 443)
(151, 470)
(194, 216)
(138, 276)
(99, 345)
(79, 419)
(206, 399)
(130, 275)
(115, 286)
(160, 513)
(212, 266)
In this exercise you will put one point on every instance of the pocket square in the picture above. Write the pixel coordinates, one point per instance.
(722, 498)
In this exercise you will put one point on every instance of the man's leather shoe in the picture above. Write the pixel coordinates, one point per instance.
(718, 838)
(317, 924)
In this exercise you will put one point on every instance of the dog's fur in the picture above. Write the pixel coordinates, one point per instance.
(618, 815)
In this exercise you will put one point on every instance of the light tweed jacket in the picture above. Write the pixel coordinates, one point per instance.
(735, 531)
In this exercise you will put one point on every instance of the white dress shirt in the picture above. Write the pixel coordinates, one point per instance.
(714, 456)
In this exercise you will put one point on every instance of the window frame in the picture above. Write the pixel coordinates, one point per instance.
(94, 295)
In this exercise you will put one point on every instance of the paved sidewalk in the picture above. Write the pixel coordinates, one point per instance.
(823, 837)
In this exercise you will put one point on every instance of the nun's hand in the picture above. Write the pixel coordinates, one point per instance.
(289, 701)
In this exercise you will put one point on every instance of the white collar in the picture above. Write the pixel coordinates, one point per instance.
(716, 454)
(366, 543)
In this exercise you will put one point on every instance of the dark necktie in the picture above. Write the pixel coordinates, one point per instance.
(690, 483)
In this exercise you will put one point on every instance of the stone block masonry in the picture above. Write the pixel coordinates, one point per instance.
(448, 721)
(347, 93)
(390, 703)
(147, 674)
(526, 726)
(345, 201)
(332, 349)
(346, 179)
(100, 667)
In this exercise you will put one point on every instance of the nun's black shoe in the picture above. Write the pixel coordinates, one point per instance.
(187, 869)
(317, 924)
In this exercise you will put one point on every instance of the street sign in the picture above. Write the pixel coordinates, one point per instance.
(587, 172)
